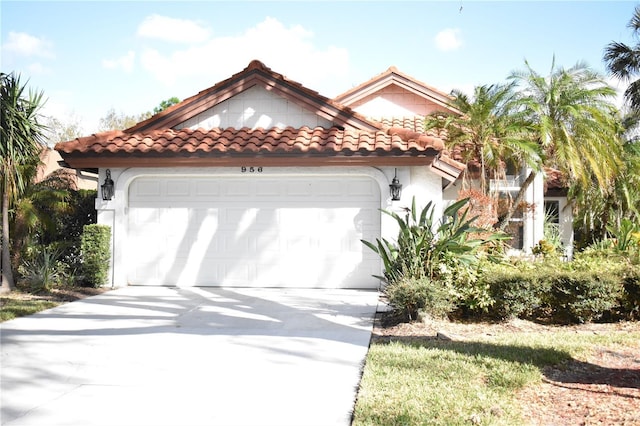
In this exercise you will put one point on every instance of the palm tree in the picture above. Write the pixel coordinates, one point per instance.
(489, 131)
(575, 124)
(490, 134)
(21, 139)
(38, 212)
(623, 62)
(596, 211)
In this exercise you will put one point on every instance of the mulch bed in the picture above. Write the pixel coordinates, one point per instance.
(604, 390)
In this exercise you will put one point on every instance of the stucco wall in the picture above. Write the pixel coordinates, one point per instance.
(394, 101)
(255, 108)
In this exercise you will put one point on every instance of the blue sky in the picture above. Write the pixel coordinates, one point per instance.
(91, 56)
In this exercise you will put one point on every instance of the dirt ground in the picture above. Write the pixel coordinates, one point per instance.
(601, 390)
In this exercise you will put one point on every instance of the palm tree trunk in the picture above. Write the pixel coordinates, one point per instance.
(502, 224)
(7, 273)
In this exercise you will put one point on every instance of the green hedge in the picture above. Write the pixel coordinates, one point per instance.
(582, 296)
(413, 297)
(96, 253)
(516, 293)
(579, 291)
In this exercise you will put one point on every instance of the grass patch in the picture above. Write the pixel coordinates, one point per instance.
(11, 308)
(19, 303)
(436, 382)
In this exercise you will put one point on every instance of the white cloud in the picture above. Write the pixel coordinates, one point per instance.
(448, 39)
(124, 63)
(27, 45)
(172, 29)
(37, 68)
(289, 51)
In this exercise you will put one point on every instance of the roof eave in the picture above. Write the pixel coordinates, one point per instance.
(446, 168)
(273, 160)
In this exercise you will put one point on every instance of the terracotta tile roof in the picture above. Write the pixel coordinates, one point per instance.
(241, 141)
(415, 124)
(555, 181)
(217, 144)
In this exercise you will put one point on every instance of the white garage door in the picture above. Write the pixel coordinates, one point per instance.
(255, 231)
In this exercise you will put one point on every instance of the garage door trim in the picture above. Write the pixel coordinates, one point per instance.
(121, 199)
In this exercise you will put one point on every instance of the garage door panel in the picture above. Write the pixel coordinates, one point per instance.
(266, 189)
(206, 188)
(148, 189)
(178, 189)
(294, 231)
(360, 190)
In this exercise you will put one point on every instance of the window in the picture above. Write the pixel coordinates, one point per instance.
(552, 211)
(515, 228)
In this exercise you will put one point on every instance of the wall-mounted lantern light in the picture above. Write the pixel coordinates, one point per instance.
(107, 187)
(395, 187)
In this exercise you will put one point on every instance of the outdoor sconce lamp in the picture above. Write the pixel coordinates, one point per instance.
(107, 187)
(395, 187)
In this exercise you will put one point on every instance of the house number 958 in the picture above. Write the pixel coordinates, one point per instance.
(251, 169)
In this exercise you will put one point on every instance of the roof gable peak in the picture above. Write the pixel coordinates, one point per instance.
(256, 74)
(393, 76)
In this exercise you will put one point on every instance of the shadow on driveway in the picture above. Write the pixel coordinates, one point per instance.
(158, 355)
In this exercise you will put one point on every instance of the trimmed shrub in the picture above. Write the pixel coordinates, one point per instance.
(629, 307)
(582, 296)
(516, 292)
(96, 253)
(585, 290)
(413, 297)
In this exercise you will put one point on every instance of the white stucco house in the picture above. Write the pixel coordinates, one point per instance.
(259, 181)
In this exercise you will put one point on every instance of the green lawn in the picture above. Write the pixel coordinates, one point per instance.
(19, 303)
(436, 382)
(11, 307)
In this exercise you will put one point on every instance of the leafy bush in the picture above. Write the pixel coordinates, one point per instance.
(583, 296)
(424, 249)
(516, 291)
(96, 253)
(587, 289)
(545, 248)
(431, 263)
(414, 297)
(630, 300)
(471, 293)
(43, 270)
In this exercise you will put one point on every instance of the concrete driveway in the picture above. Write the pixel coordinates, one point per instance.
(196, 356)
